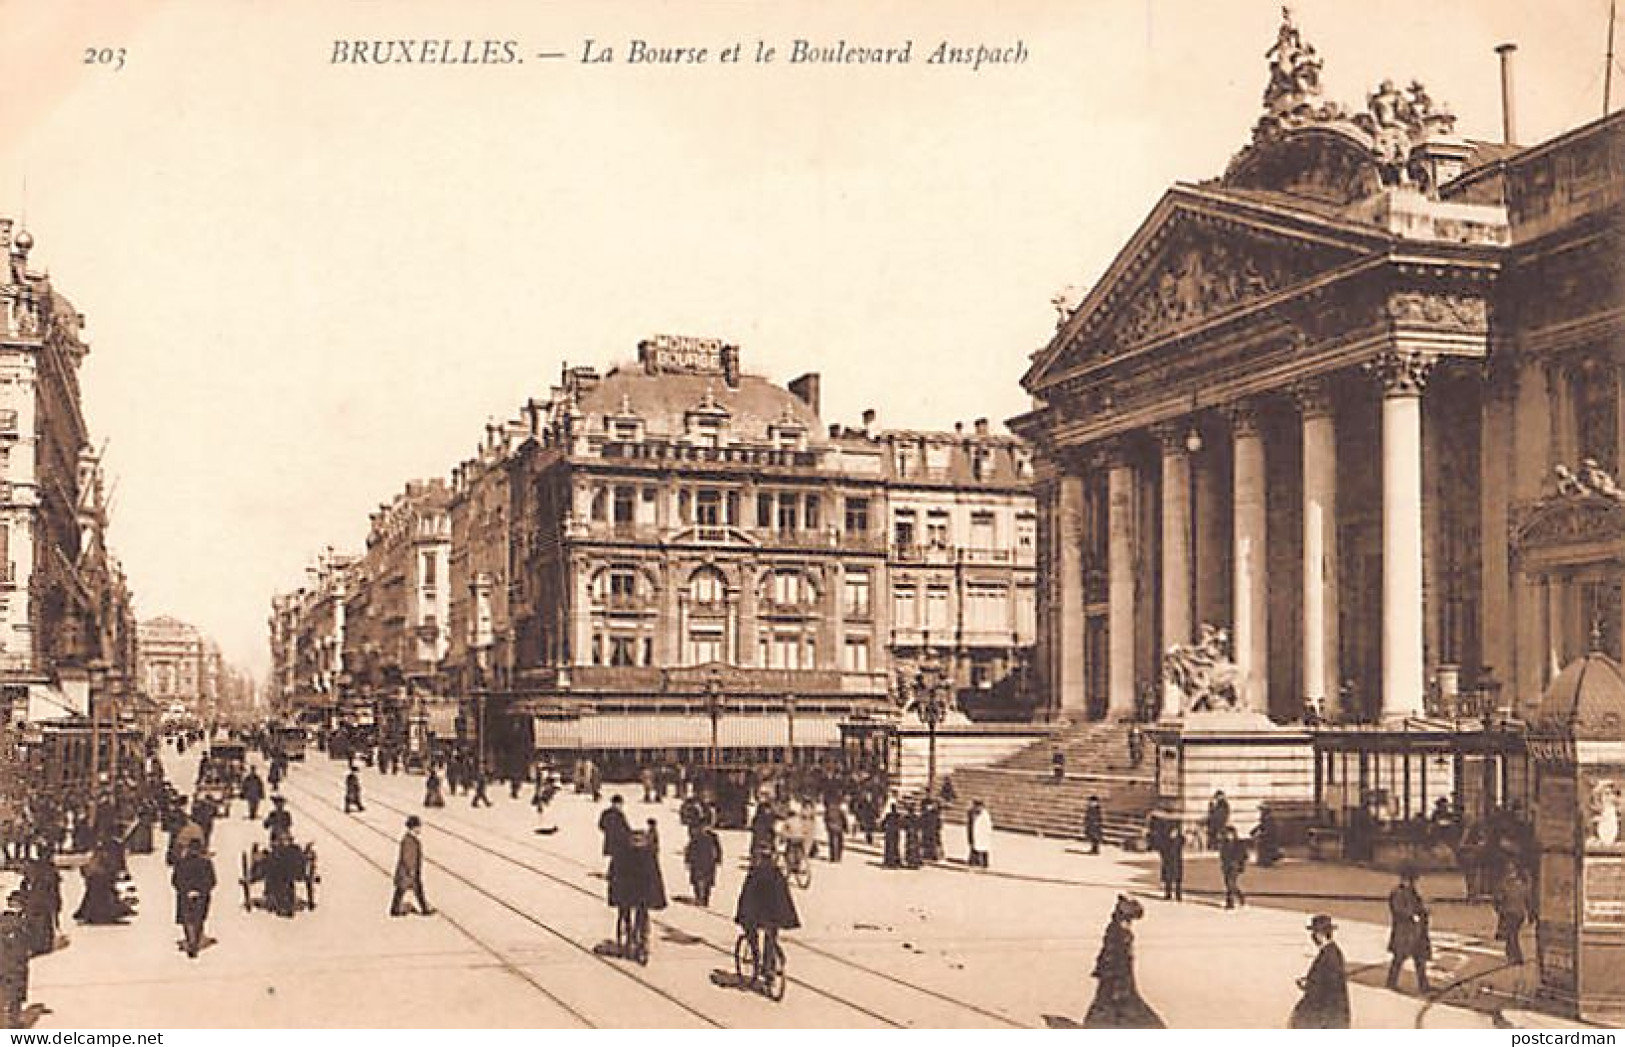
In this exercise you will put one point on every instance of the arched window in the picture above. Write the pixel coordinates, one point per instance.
(707, 586)
(707, 626)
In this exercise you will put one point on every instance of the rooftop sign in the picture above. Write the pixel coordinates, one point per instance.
(681, 354)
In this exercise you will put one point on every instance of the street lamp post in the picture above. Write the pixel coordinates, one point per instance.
(790, 729)
(931, 706)
(713, 709)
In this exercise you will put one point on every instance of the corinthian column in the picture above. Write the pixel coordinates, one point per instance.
(1176, 551)
(1403, 376)
(1320, 669)
(1071, 678)
(1251, 589)
(1120, 583)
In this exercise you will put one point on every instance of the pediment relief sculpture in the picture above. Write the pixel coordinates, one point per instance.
(1589, 506)
(1195, 279)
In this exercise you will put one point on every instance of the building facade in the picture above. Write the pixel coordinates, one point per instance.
(177, 664)
(66, 623)
(395, 608)
(695, 559)
(307, 641)
(1357, 402)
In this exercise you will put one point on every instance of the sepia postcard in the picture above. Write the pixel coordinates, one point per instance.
(729, 515)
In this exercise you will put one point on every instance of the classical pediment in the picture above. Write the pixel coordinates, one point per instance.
(1567, 523)
(1201, 257)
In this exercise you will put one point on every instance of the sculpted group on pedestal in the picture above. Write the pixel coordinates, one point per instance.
(1204, 673)
(1393, 122)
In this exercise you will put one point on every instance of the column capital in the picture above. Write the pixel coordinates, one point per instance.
(1244, 418)
(1313, 396)
(1171, 436)
(1112, 453)
(1402, 372)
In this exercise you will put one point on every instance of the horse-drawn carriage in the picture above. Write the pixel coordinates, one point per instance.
(220, 773)
(279, 869)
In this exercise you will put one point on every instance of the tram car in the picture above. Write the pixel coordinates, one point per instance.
(289, 741)
(257, 866)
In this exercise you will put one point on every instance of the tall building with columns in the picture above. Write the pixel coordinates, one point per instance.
(1358, 402)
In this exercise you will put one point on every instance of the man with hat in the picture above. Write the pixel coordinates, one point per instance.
(1408, 937)
(409, 870)
(253, 790)
(279, 823)
(1094, 821)
(1325, 1002)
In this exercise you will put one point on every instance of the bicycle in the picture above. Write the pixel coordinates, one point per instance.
(632, 933)
(796, 864)
(761, 966)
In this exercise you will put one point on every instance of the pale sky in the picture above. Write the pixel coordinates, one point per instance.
(306, 283)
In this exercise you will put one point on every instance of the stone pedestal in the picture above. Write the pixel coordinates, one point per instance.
(1242, 753)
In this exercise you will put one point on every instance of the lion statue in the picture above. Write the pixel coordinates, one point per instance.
(1204, 672)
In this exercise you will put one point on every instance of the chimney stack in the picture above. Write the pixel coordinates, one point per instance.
(806, 390)
(869, 422)
(1509, 115)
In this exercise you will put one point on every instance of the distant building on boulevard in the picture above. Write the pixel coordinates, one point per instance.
(183, 673)
(677, 548)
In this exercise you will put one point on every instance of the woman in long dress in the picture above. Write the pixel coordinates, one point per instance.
(1117, 1000)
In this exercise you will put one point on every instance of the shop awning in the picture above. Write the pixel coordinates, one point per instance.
(676, 731)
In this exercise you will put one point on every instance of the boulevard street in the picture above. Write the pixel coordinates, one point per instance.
(520, 914)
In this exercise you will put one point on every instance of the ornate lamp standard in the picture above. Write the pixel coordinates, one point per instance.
(932, 700)
(790, 729)
(713, 709)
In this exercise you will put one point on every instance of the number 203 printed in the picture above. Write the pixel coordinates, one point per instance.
(108, 56)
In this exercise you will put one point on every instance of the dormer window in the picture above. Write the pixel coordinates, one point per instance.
(981, 463)
(704, 424)
(787, 433)
(625, 425)
(907, 459)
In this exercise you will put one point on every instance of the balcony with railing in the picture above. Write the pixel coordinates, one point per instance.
(694, 680)
(664, 453)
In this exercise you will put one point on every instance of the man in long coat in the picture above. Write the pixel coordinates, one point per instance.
(409, 870)
(835, 827)
(253, 790)
(1325, 1002)
(979, 834)
(1408, 937)
(1513, 906)
(1094, 820)
(1169, 843)
(194, 881)
(892, 828)
(1218, 819)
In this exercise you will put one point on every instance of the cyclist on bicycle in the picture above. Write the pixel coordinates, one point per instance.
(635, 887)
(765, 906)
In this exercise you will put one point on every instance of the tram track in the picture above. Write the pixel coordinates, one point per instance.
(507, 905)
(725, 950)
(479, 942)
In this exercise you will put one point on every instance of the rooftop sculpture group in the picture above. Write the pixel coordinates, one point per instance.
(1393, 122)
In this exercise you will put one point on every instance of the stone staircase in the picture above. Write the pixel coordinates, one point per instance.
(1023, 798)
